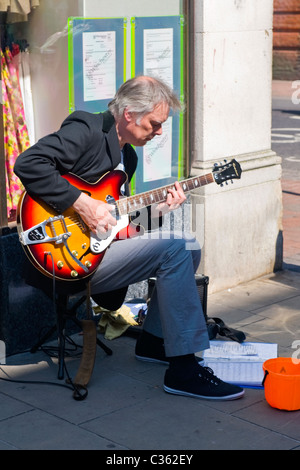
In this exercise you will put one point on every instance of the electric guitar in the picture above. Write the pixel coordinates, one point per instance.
(62, 246)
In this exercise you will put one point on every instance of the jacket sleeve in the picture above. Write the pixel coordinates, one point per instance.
(40, 167)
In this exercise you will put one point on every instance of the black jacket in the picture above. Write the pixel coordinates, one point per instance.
(87, 146)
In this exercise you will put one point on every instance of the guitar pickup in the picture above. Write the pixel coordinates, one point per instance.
(111, 200)
(38, 234)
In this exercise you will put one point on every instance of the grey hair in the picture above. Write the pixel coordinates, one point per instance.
(141, 94)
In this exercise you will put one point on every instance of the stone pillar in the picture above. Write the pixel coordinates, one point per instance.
(230, 85)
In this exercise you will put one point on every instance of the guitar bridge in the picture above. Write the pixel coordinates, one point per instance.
(38, 234)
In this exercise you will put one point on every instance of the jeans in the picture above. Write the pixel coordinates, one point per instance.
(175, 311)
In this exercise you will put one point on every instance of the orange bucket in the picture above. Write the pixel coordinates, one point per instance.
(282, 383)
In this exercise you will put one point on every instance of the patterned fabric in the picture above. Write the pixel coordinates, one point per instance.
(16, 138)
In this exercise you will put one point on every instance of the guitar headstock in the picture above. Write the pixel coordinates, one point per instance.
(229, 171)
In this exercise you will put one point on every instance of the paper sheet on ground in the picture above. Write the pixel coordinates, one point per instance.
(239, 363)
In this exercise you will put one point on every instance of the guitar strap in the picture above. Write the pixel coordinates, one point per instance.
(88, 357)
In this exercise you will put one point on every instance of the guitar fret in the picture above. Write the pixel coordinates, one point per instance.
(133, 203)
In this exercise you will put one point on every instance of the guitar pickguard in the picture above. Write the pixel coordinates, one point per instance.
(99, 243)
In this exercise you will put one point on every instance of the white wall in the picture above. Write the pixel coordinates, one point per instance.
(117, 8)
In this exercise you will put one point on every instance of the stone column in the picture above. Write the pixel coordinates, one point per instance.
(239, 224)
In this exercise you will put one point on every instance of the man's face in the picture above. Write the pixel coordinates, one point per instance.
(140, 131)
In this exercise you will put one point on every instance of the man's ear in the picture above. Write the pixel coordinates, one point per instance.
(128, 115)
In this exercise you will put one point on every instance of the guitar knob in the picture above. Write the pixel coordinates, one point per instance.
(74, 273)
(60, 264)
(88, 264)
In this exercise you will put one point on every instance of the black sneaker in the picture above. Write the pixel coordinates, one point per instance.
(150, 348)
(202, 384)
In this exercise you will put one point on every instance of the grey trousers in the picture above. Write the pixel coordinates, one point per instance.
(175, 311)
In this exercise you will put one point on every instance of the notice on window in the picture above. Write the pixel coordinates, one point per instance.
(158, 54)
(99, 65)
(157, 155)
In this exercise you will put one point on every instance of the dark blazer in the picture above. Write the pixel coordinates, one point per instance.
(86, 145)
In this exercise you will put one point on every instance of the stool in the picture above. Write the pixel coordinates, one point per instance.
(64, 313)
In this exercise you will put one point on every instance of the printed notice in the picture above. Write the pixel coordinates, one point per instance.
(158, 54)
(157, 155)
(99, 65)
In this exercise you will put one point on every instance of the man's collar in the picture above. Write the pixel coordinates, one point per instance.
(108, 121)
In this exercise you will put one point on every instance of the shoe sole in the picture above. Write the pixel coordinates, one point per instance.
(173, 391)
(151, 359)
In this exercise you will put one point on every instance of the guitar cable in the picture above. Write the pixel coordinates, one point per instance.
(79, 392)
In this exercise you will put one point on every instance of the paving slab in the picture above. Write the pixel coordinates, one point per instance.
(177, 423)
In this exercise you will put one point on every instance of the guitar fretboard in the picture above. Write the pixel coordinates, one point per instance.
(155, 196)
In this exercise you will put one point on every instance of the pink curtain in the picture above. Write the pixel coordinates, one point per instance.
(16, 138)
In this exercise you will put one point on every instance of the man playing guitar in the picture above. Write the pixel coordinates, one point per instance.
(90, 146)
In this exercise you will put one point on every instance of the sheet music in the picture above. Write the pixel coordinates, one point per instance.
(237, 363)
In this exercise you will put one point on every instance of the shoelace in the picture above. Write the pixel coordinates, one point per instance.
(208, 374)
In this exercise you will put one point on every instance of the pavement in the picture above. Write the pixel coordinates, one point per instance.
(126, 408)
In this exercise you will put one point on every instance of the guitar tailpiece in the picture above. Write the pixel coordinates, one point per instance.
(38, 234)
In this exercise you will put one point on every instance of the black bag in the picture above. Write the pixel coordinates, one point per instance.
(216, 326)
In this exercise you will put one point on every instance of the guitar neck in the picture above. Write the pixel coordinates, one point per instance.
(158, 195)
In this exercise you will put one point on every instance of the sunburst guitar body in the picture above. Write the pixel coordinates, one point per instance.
(62, 245)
